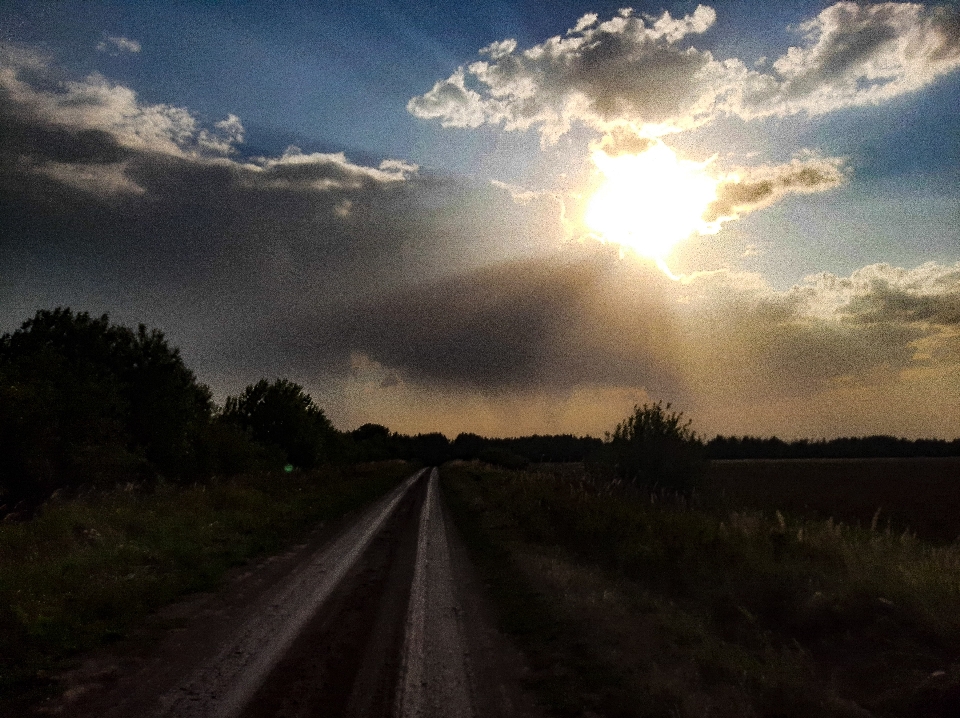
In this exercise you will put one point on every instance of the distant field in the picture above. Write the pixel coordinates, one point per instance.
(920, 494)
(627, 604)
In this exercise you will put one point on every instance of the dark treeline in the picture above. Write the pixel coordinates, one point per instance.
(879, 447)
(84, 402)
(374, 441)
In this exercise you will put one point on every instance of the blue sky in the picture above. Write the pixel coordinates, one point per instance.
(191, 213)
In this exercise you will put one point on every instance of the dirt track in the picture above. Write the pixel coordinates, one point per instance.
(381, 616)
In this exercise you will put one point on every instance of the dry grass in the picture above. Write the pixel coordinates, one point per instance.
(922, 494)
(693, 612)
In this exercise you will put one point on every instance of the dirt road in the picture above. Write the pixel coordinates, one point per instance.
(379, 617)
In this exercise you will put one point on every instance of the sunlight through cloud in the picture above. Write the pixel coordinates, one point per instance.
(650, 201)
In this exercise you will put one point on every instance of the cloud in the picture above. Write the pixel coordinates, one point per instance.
(748, 189)
(324, 171)
(642, 72)
(116, 45)
(626, 68)
(535, 324)
(883, 294)
(36, 96)
(858, 54)
(725, 345)
(461, 296)
(233, 255)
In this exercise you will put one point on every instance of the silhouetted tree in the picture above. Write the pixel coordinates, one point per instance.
(432, 449)
(84, 400)
(281, 414)
(752, 447)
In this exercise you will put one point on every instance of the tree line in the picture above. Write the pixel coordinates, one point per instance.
(84, 402)
(858, 447)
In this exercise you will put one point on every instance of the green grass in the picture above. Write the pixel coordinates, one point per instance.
(86, 571)
(650, 607)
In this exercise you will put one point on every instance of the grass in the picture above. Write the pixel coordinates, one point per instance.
(87, 570)
(645, 605)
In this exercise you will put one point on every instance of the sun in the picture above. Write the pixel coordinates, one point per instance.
(650, 201)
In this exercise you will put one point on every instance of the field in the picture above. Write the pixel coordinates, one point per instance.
(783, 601)
(919, 495)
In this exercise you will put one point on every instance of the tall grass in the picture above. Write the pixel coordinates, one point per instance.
(85, 571)
(798, 617)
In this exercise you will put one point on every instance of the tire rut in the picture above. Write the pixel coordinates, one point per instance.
(385, 619)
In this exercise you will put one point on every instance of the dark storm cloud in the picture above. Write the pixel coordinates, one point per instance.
(526, 325)
(111, 204)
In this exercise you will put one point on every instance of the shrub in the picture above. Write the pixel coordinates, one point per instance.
(655, 447)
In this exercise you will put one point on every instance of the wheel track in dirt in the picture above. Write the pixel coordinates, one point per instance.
(384, 619)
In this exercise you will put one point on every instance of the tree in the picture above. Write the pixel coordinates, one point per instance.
(84, 400)
(656, 447)
(371, 442)
(281, 414)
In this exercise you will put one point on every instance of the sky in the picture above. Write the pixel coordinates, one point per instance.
(506, 217)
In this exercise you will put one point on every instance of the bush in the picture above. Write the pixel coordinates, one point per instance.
(283, 415)
(655, 447)
(226, 449)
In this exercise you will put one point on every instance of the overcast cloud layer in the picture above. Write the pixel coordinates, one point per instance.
(432, 303)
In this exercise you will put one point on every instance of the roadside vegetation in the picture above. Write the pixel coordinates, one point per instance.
(86, 571)
(634, 600)
(642, 575)
(123, 487)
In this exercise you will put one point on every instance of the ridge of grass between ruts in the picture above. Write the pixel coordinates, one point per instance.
(761, 614)
(86, 570)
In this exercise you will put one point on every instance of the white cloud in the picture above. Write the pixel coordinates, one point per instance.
(625, 68)
(881, 293)
(116, 45)
(96, 103)
(642, 72)
(857, 54)
(223, 140)
(93, 126)
(325, 171)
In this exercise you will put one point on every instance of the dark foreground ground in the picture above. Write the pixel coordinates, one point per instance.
(779, 591)
(367, 649)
